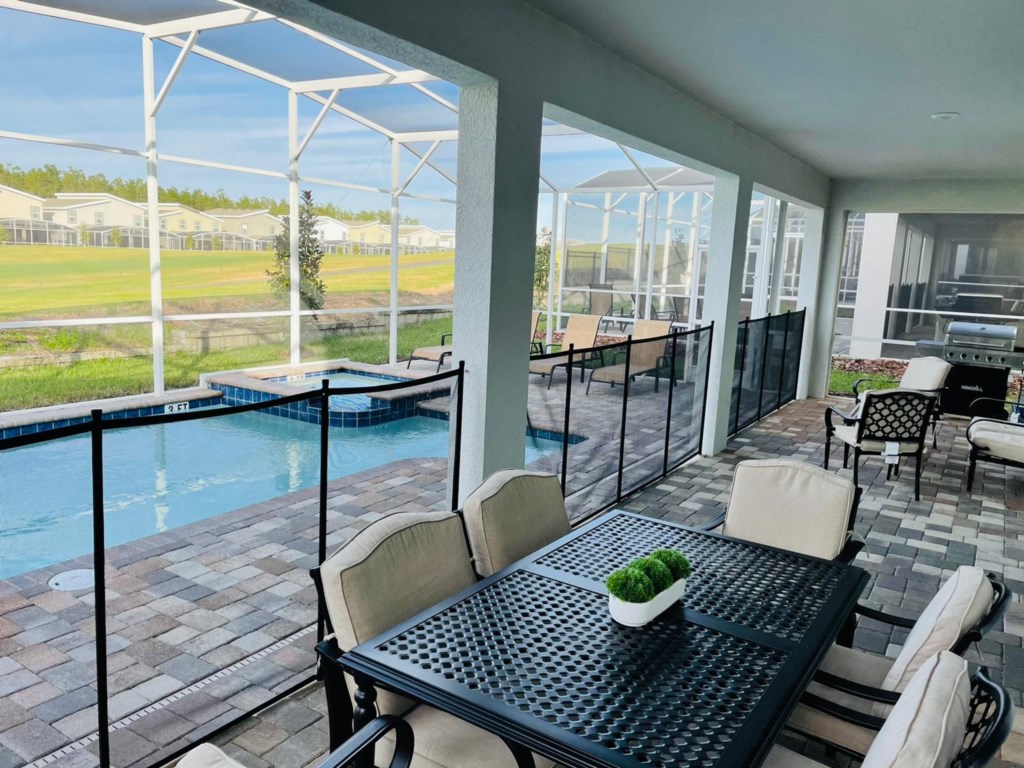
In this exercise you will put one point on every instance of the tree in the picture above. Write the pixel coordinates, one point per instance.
(190, 243)
(311, 254)
(83, 234)
(115, 237)
(542, 267)
(5, 235)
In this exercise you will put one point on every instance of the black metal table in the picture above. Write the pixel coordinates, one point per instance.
(532, 654)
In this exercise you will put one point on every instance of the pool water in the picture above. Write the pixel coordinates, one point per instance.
(342, 379)
(160, 477)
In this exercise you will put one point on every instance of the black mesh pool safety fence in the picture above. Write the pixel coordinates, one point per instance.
(767, 367)
(172, 597)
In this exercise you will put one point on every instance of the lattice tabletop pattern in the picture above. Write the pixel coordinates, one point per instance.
(771, 591)
(670, 694)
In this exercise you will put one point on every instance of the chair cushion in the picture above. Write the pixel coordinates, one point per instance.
(963, 601)
(389, 572)
(432, 353)
(780, 757)
(207, 756)
(999, 438)
(511, 515)
(444, 741)
(848, 434)
(926, 726)
(925, 373)
(548, 364)
(791, 505)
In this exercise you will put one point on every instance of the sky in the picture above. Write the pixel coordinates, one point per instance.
(77, 81)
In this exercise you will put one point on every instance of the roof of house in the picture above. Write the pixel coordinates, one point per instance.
(77, 199)
(20, 192)
(170, 208)
(237, 213)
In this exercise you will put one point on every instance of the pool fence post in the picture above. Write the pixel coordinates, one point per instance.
(707, 382)
(565, 419)
(99, 588)
(325, 423)
(764, 365)
(668, 409)
(457, 453)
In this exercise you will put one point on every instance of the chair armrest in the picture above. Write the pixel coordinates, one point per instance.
(856, 689)
(885, 618)
(367, 736)
(710, 525)
(847, 418)
(445, 337)
(843, 713)
(858, 382)
(854, 544)
(986, 420)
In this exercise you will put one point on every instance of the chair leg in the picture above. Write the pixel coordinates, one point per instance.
(846, 454)
(917, 476)
(828, 448)
(972, 464)
(888, 472)
(339, 706)
(590, 381)
(856, 462)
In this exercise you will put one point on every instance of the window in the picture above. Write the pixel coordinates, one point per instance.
(163, 224)
(273, 229)
(181, 224)
(98, 218)
(245, 229)
(34, 212)
(197, 225)
(138, 221)
(72, 217)
(216, 227)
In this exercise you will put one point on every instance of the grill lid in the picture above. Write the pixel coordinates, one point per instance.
(958, 330)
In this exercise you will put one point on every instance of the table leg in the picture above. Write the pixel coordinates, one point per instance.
(365, 711)
(523, 756)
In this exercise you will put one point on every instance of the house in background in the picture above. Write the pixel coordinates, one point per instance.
(93, 209)
(15, 204)
(419, 236)
(330, 230)
(257, 224)
(182, 219)
(370, 232)
(446, 239)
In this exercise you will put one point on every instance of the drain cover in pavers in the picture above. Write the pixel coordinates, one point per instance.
(73, 580)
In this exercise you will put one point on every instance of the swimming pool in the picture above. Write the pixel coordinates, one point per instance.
(160, 477)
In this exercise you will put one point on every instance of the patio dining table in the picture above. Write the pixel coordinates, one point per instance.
(531, 653)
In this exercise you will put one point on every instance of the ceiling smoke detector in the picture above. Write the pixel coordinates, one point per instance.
(945, 116)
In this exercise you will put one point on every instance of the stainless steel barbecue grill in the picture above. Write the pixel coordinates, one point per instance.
(985, 344)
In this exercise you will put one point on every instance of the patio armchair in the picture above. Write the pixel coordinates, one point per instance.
(209, 756)
(923, 374)
(645, 359)
(944, 718)
(390, 571)
(994, 440)
(896, 418)
(513, 513)
(792, 505)
(436, 354)
(967, 606)
(580, 333)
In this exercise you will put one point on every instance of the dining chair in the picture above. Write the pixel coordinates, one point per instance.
(967, 606)
(922, 374)
(792, 505)
(944, 718)
(209, 756)
(390, 571)
(896, 418)
(513, 513)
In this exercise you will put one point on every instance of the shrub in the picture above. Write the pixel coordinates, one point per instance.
(656, 571)
(630, 585)
(676, 562)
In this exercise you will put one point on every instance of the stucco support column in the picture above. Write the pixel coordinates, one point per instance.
(726, 257)
(819, 295)
(495, 221)
(876, 259)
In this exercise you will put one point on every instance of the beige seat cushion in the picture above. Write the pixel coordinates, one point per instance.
(925, 374)
(444, 741)
(512, 514)
(392, 570)
(548, 364)
(861, 667)
(999, 438)
(963, 601)
(848, 434)
(207, 756)
(780, 757)
(432, 353)
(926, 726)
(791, 505)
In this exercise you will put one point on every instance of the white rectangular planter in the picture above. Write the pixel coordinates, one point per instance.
(638, 614)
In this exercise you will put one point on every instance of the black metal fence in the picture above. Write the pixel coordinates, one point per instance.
(217, 611)
(625, 414)
(767, 367)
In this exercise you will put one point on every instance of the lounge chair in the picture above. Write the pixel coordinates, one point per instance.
(792, 505)
(645, 359)
(969, 604)
(438, 354)
(601, 299)
(945, 718)
(580, 333)
(535, 346)
(513, 513)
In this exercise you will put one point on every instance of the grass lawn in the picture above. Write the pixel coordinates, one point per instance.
(56, 281)
(36, 386)
(841, 382)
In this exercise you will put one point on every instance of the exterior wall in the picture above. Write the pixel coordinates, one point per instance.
(112, 213)
(182, 220)
(375, 234)
(424, 237)
(15, 204)
(331, 230)
(880, 237)
(256, 225)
